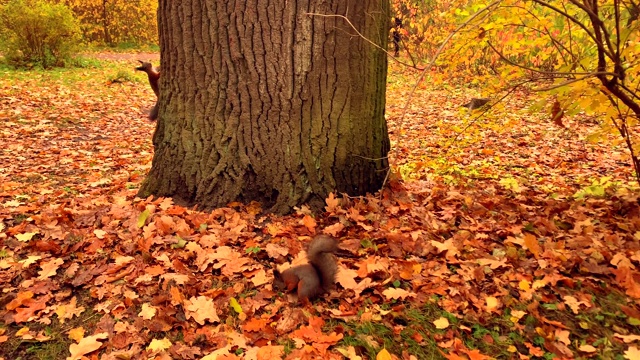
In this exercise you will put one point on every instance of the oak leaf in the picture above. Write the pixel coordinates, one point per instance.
(201, 309)
(587, 348)
(49, 268)
(68, 311)
(148, 311)
(85, 346)
(310, 223)
(76, 334)
(632, 353)
(25, 237)
(395, 293)
(159, 344)
(332, 203)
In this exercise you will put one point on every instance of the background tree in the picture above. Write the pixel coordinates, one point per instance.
(583, 54)
(115, 22)
(263, 100)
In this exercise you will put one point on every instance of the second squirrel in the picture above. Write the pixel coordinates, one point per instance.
(314, 278)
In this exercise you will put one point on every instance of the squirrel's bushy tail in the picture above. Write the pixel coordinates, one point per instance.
(320, 255)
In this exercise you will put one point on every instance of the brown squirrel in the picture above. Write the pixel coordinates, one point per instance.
(476, 103)
(314, 278)
(153, 76)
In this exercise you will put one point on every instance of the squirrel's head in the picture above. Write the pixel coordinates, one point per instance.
(144, 66)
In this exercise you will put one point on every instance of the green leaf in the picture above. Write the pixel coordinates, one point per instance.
(180, 244)
(142, 219)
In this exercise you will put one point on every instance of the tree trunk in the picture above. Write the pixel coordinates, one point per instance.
(262, 101)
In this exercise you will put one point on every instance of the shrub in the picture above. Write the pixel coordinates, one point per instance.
(34, 32)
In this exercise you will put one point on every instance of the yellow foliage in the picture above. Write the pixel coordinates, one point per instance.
(116, 21)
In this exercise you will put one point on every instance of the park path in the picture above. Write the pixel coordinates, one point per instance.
(126, 56)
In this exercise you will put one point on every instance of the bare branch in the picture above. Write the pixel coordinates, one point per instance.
(551, 73)
(364, 37)
(568, 16)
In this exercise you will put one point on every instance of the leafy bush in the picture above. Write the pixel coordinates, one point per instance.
(34, 32)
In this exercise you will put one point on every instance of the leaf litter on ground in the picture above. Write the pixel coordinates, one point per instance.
(478, 247)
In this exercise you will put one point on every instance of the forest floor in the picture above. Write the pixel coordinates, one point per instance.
(505, 236)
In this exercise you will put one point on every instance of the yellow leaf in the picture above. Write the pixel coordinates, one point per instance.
(492, 303)
(383, 355)
(441, 323)
(159, 345)
(76, 334)
(25, 237)
(142, 219)
(235, 305)
(516, 315)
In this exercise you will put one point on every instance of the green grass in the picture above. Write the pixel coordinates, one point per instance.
(57, 347)
(92, 70)
(412, 331)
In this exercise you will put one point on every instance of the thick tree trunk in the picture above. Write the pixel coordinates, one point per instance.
(261, 100)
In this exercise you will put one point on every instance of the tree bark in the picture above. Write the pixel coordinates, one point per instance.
(262, 101)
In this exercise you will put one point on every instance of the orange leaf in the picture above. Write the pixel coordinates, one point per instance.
(531, 243)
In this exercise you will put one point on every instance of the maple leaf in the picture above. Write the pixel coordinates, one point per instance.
(334, 229)
(85, 346)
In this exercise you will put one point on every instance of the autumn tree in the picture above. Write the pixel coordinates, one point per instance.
(116, 21)
(276, 101)
(581, 53)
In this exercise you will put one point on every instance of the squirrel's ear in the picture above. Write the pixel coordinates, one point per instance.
(276, 273)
